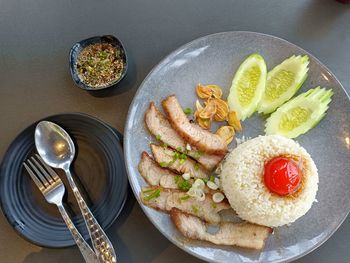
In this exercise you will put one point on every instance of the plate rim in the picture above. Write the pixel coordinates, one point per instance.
(128, 127)
(119, 137)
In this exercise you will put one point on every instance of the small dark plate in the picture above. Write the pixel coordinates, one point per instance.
(98, 169)
(79, 46)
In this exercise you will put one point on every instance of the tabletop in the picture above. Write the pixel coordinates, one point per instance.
(35, 82)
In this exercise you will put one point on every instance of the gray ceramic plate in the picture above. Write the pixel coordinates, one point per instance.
(214, 59)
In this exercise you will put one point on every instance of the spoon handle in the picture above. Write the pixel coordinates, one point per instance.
(86, 251)
(100, 242)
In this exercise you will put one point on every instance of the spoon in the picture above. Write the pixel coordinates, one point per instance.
(56, 148)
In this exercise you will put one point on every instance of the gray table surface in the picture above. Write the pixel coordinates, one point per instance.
(35, 38)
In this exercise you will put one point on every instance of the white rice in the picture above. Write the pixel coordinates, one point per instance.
(243, 184)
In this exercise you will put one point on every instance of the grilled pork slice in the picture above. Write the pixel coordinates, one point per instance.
(165, 199)
(168, 181)
(232, 234)
(207, 209)
(152, 172)
(167, 158)
(155, 197)
(155, 175)
(159, 126)
(202, 139)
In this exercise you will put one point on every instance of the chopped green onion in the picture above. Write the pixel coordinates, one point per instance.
(147, 191)
(188, 111)
(212, 178)
(196, 167)
(158, 137)
(213, 205)
(185, 197)
(179, 149)
(195, 209)
(154, 194)
(177, 178)
(171, 162)
(184, 185)
(164, 164)
(183, 156)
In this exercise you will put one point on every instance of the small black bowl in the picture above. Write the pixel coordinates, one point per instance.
(79, 46)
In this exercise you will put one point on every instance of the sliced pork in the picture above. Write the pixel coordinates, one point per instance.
(206, 209)
(202, 139)
(160, 127)
(165, 199)
(151, 171)
(232, 234)
(155, 197)
(166, 157)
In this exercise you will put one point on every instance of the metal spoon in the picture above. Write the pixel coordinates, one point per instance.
(57, 149)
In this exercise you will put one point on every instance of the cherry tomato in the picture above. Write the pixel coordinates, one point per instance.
(282, 176)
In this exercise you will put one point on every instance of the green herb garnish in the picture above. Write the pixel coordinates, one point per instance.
(196, 167)
(164, 164)
(158, 137)
(177, 178)
(212, 178)
(213, 205)
(195, 209)
(183, 156)
(179, 149)
(184, 185)
(152, 195)
(185, 197)
(147, 191)
(188, 111)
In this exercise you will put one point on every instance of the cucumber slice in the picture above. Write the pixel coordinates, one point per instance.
(300, 114)
(283, 81)
(248, 86)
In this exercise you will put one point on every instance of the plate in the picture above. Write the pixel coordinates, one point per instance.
(214, 59)
(99, 171)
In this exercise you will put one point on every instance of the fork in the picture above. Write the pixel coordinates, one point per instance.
(51, 186)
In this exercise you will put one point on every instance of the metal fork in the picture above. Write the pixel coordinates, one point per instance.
(53, 190)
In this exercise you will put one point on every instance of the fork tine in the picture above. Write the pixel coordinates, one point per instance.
(38, 174)
(51, 171)
(38, 183)
(43, 171)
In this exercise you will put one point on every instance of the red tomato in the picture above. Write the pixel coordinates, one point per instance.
(282, 176)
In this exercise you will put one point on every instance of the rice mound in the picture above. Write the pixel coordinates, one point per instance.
(243, 183)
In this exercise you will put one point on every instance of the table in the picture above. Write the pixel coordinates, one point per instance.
(36, 36)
